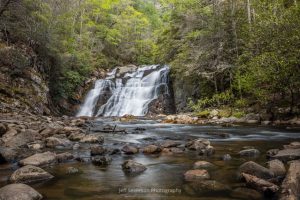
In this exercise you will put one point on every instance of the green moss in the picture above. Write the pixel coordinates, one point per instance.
(203, 114)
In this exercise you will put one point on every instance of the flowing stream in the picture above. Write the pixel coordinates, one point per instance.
(132, 92)
(164, 174)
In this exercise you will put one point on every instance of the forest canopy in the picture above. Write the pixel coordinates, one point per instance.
(236, 53)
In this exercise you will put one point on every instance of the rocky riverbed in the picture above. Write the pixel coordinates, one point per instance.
(112, 158)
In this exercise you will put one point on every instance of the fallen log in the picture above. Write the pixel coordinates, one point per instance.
(262, 185)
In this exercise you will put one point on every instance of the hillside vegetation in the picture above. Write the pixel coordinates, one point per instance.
(236, 54)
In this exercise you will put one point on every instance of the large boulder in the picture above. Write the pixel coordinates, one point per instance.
(129, 166)
(53, 142)
(287, 155)
(39, 159)
(291, 184)
(151, 149)
(62, 157)
(28, 174)
(196, 174)
(76, 136)
(14, 139)
(98, 150)
(201, 145)
(277, 167)
(204, 186)
(127, 149)
(255, 169)
(92, 138)
(249, 152)
(101, 160)
(292, 145)
(19, 192)
(170, 143)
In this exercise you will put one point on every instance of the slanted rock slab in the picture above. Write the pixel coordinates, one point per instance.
(29, 174)
(19, 192)
(39, 159)
(287, 155)
(255, 169)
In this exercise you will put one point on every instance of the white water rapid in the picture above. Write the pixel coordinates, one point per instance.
(131, 92)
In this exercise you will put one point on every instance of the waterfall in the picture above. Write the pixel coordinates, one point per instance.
(131, 92)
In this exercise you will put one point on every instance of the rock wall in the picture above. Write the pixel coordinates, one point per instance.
(23, 81)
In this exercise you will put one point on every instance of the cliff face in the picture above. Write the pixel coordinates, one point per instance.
(23, 80)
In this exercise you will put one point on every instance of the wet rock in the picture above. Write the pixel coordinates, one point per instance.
(78, 122)
(287, 155)
(62, 157)
(19, 192)
(48, 132)
(255, 169)
(203, 165)
(52, 142)
(130, 149)
(226, 157)
(39, 159)
(97, 150)
(249, 152)
(277, 167)
(169, 144)
(114, 151)
(68, 130)
(72, 170)
(201, 145)
(151, 149)
(293, 145)
(196, 174)
(29, 174)
(92, 138)
(130, 166)
(76, 136)
(272, 152)
(291, 184)
(8, 155)
(246, 193)
(204, 186)
(101, 160)
(262, 185)
(15, 139)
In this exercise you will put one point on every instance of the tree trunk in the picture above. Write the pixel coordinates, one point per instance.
(249, 11)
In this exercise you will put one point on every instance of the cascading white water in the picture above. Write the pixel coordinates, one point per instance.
(131, 94)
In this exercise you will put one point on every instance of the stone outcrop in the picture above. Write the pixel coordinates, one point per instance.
(19, 192)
